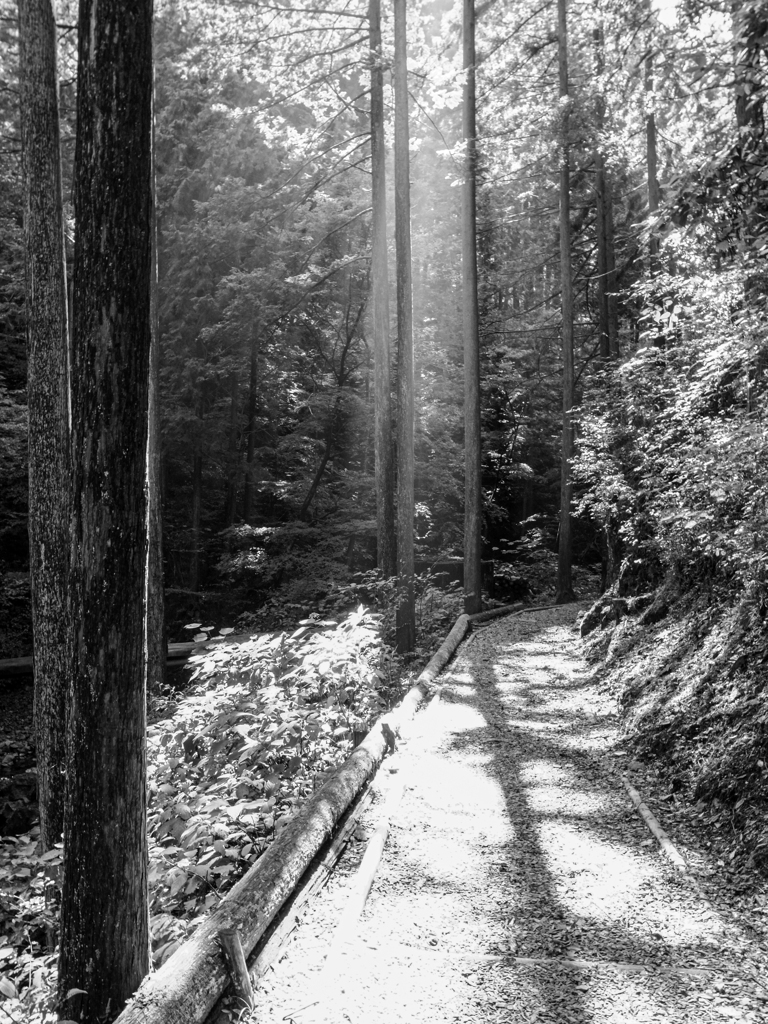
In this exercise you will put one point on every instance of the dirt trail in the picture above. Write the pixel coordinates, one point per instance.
(516, 840)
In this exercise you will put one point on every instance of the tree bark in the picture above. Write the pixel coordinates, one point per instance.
(233, 459)
(156, 645)
(606, 260)
(330, 435)
(611, 281)
(383, 440)
(48, 398)
(652, 163)
(405, 614)
(473, 507)
(104, 920)
(253, 387)
(197, 513)
(565, 546)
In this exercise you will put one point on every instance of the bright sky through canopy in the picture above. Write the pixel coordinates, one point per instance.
(666, 10)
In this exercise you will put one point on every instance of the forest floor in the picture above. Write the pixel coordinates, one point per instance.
(518, 884)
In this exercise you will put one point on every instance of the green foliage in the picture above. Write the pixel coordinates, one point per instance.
(673, 450)
(262, 724)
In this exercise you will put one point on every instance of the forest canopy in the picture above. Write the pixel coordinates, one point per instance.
(262, 163)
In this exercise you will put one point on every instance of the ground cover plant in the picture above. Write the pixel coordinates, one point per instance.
(230, 759)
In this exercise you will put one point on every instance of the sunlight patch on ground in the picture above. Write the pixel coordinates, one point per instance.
(570, 849)
(534, 726)
(559, 800)
(541, 771)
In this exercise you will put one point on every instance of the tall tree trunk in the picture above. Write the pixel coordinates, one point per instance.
(611, 280)
(652, 163)
(606, 260)
(749, 27)
(233, 460)
(155, 594)
(330, 436)
(405, 615)
(197, 514)
(104, 919)
(383, 440)
(253, 387)
(48, 397)
(565, 548)
(473, 512)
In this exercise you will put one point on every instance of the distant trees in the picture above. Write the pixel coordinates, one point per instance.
(104, 921)
(48, 398)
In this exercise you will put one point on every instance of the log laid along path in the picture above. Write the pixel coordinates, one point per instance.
(518, 882)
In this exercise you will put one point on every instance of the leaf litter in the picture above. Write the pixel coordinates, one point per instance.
(518, 884)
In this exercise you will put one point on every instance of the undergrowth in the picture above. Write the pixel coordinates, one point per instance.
(230, 760)
(693, 695)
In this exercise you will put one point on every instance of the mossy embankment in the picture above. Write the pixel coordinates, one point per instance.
(690, 675)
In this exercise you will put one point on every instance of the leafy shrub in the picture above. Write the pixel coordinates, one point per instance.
(263, 722)
(673, 451)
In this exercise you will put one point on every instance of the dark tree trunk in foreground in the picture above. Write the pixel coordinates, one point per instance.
(104, 921)
(155, 599)
(383, 440)
(48, 397)
(406, 609)
(565, 548)
(473, 513)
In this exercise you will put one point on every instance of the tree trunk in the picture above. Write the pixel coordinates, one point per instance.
(473, 510)
(749, 26)
(253, 386)
(565, 548)
(383, 440)
(330, 434)
(48, 397)
(606, 261)
(406, 609)
(104, 920)
(233, 460)
(155, 595)
(654, 194)
(197, 515)
(610, 280)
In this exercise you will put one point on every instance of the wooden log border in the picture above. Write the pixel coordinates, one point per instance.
(187, 986)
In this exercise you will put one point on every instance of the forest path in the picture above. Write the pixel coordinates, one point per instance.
(516, 839)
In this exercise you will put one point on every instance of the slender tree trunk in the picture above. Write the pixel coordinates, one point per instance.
(565, 550)
(606, 261)
(383, 440)
(155, 595)
(233, 461)
(253, 388)
(610, 280)
(654, 194)
(473, 510)
(602, 259)
(104, 920)
(406, 609)
(197, 514)
(48, 397)
(330, 435)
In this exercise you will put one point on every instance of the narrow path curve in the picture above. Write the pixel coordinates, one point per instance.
(516, 848)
